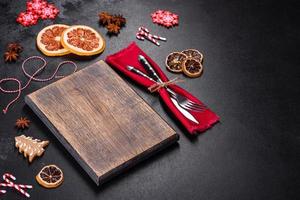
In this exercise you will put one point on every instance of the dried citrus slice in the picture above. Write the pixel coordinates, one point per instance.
(193, 54)
(174, 61)
(83, 40)
(50, 176)
(192, 68)
(48, 40)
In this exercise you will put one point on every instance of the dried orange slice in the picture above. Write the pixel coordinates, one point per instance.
(83, 40)
(48, 40)
(192, 68)
(50, 176)
(193, 54)
(174, 61)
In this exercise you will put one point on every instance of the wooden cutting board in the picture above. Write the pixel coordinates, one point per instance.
(101, 121)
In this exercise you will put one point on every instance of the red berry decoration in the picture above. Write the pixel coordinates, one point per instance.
(49, 12)
(165, 18)
(36, 6)
(27, 18)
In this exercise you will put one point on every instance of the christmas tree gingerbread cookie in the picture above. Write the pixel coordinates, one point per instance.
(30, 147)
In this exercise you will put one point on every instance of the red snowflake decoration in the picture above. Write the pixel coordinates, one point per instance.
(49, 12)
(36, 9)
(27, 18)
(165, 18)
(36, 6)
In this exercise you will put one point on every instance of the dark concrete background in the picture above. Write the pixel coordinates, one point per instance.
(251, 81)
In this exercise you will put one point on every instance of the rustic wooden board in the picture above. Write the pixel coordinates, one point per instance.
(101, 121)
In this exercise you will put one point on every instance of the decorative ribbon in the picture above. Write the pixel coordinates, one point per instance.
(31, 78)
(156, 86)
(145, 33)
(18, 187)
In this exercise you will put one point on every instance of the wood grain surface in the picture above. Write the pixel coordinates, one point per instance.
(101, 121)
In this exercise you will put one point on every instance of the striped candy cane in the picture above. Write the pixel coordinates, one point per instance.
(18, 187)
(145, 33)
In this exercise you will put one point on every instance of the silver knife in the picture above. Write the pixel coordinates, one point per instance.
(183, 111)
(149, 68)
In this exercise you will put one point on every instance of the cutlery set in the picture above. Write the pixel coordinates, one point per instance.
(182, 103)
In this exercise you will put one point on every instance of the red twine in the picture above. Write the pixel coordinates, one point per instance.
(156, 86)
(19, 187)
(31, 78)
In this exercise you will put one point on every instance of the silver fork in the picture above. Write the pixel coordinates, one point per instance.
(182, 100)
(185, 102)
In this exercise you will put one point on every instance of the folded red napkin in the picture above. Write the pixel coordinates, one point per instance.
(129, 56)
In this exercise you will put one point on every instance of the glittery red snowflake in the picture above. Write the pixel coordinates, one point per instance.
(165, 18)
(27, 18)
(36, 6)
(49, 12)
(36, 9)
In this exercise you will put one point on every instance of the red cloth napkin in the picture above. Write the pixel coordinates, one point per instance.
(129, 56)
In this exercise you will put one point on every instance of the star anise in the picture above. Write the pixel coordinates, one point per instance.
(113, 29)
(14, 46)
(105, 18)
(22, 123)
(10, 56)
(113, 23)
(118, 20)
(12, 51)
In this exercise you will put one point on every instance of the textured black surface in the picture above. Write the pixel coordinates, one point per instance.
(251, 80)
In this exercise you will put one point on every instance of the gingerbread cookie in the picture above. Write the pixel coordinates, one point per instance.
(30, 147)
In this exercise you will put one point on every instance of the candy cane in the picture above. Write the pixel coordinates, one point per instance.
(142, 31)
(154, 36)
(18, 187)
(145, 33)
